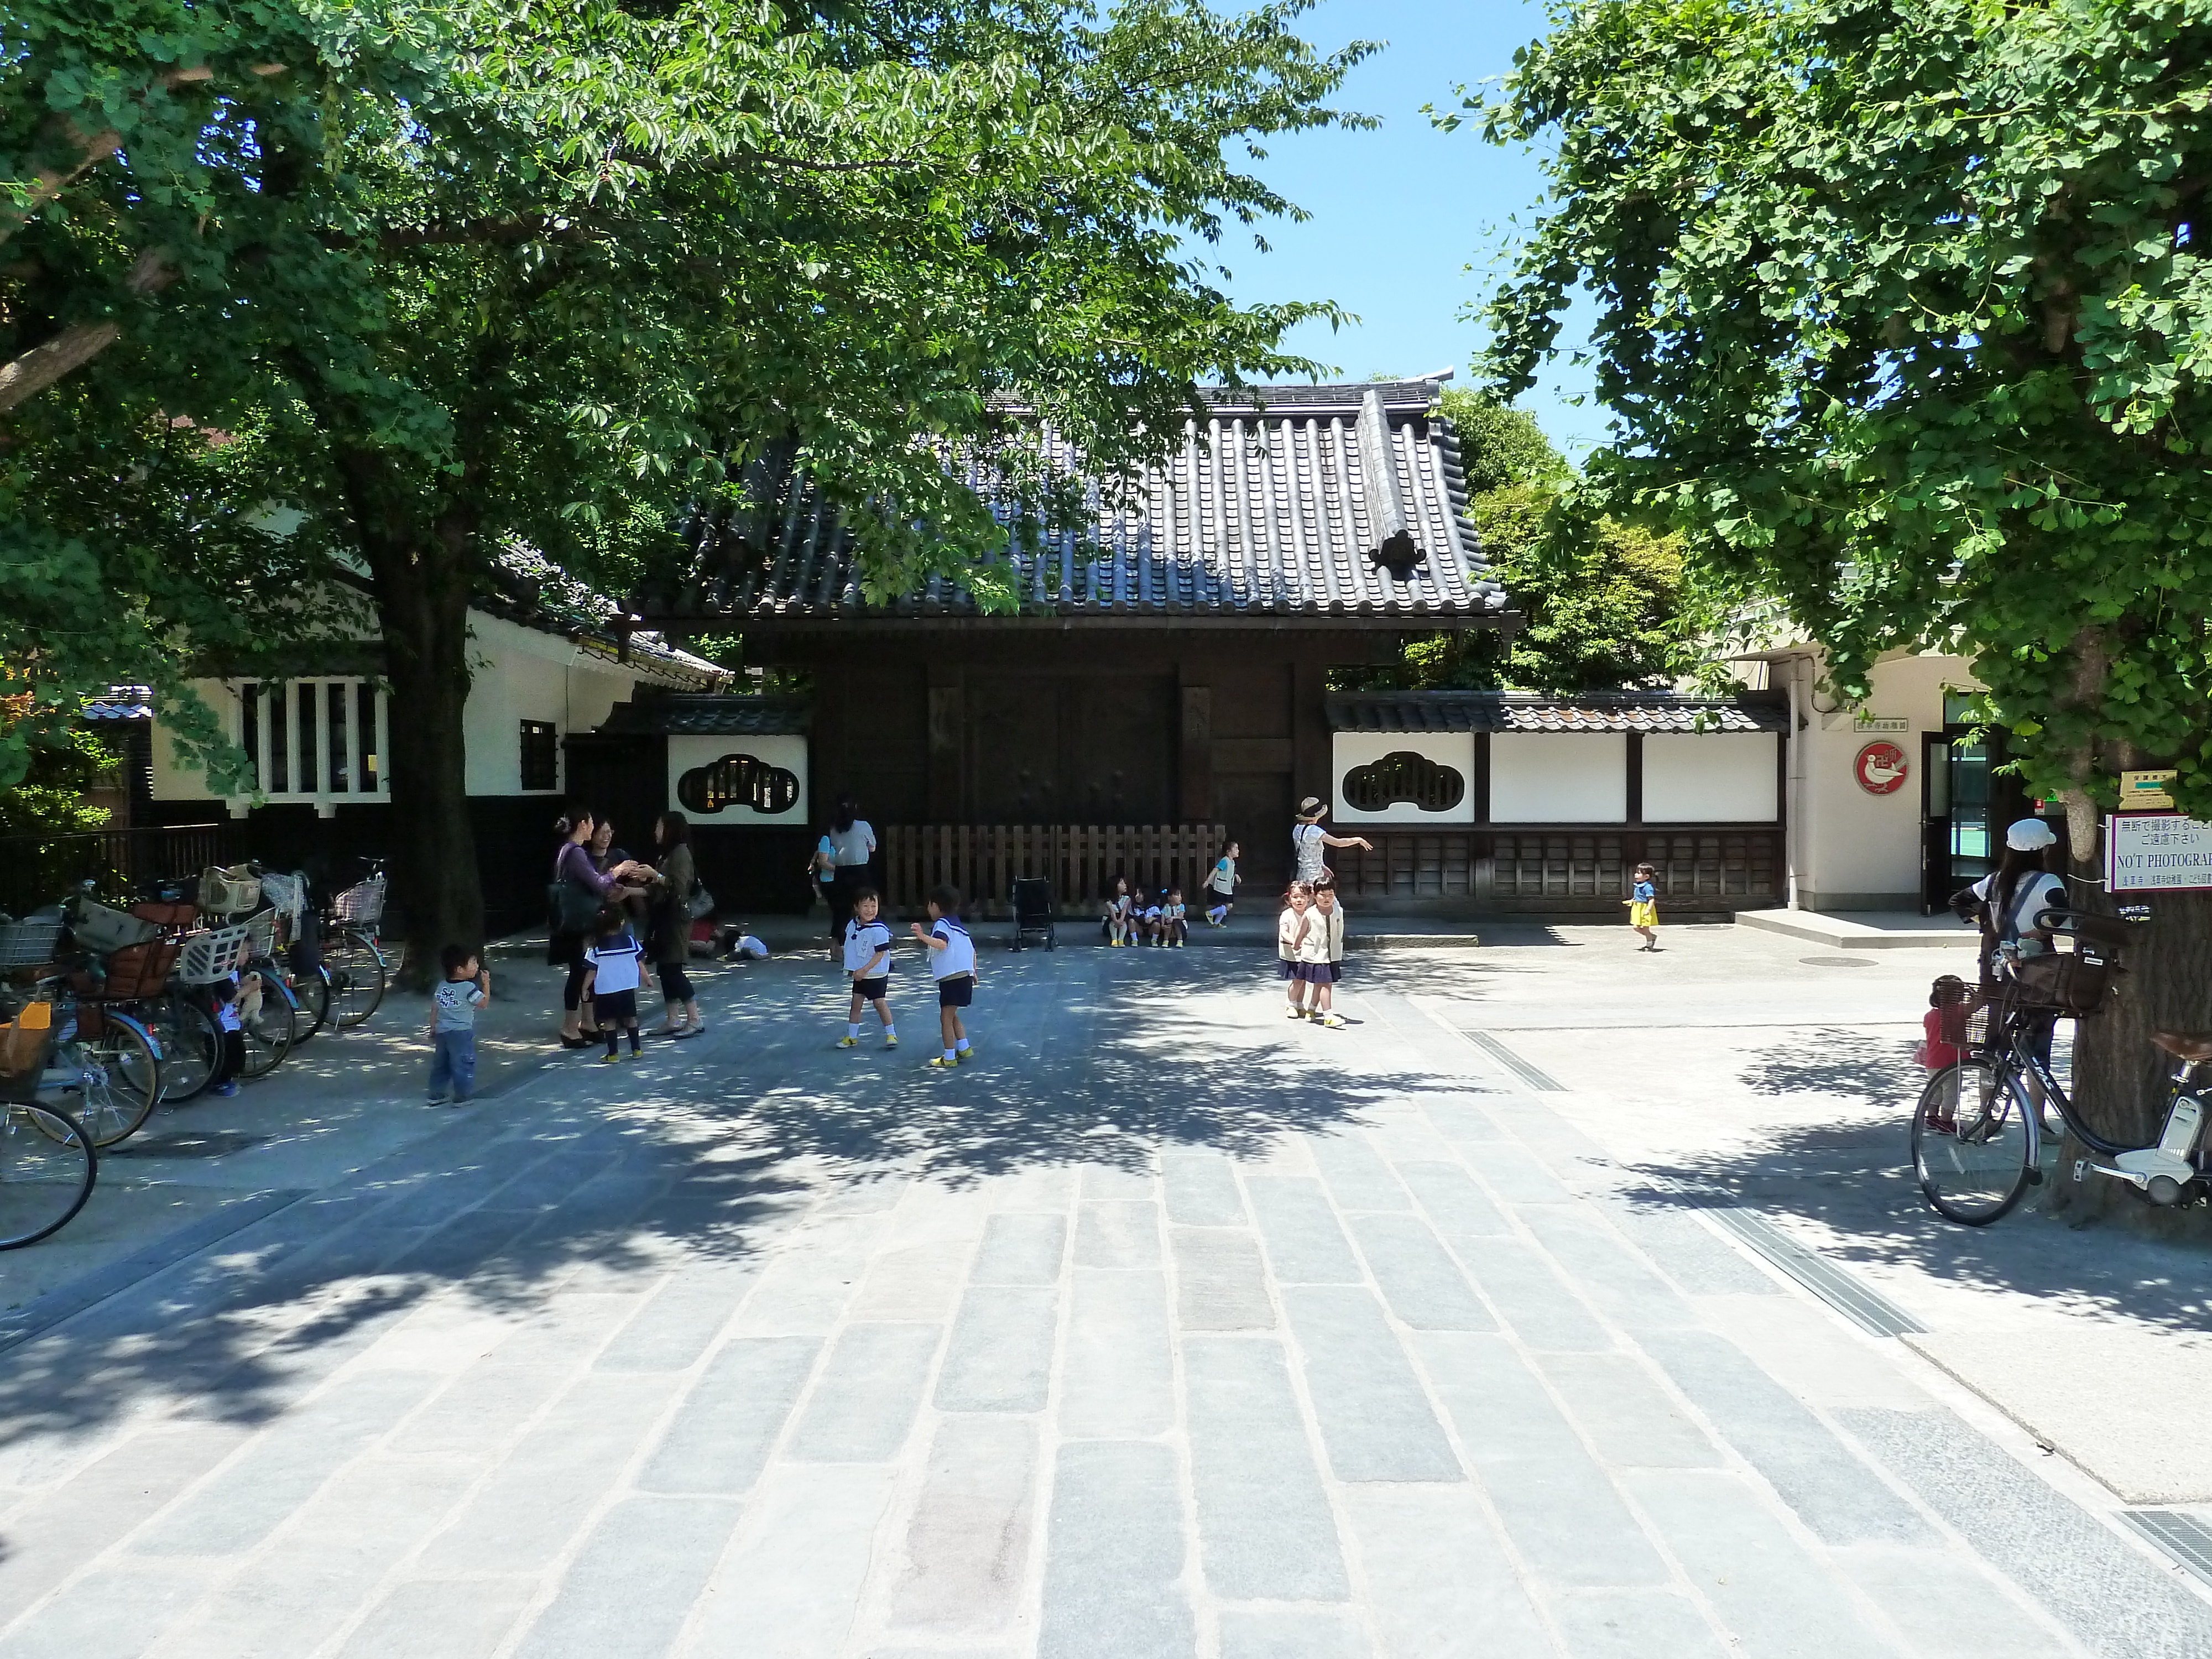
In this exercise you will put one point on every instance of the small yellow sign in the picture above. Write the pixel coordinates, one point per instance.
(2147, 792)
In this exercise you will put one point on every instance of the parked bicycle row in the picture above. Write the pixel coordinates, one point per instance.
(111, 1007)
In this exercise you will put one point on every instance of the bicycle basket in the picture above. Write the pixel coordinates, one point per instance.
(164, 913)
(206, 958)
(25, 1041)
(360, 905)
(100, 929)
(262, 928)
(2074, 982)
(289, 894)
(29, 943)
(229, 892)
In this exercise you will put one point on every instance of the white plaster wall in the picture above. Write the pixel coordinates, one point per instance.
(787, 751)
(1351, 750)
(173, 779)
(1849, 841)
(1710, 777)
(520, 675)
(1558, 777)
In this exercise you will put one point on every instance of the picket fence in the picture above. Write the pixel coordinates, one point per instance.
(1080, 859)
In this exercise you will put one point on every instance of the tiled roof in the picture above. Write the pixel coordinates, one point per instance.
(528, 589)
(1526, 711)
(686, 714)
(1344, 501)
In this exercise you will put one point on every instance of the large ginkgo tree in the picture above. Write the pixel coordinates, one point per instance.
(1903, 310)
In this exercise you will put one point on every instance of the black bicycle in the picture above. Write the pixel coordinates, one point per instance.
(1977, 1132)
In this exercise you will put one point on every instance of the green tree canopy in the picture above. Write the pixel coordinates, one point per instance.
(1902, 308)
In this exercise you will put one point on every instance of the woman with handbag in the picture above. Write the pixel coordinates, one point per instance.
(676, 902)
(573, 903)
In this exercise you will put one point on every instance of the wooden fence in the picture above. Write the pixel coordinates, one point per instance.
(1567, 870)
(39, 870)
(1080, 859)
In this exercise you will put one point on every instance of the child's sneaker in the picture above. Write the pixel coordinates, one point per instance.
(938, 1062)
(1333, 1020)
(961, 1057)
(608, 1059)
(222, 1090)
(842, 1042)
(890, 1040)
(1293, 1011)
(634, 1054)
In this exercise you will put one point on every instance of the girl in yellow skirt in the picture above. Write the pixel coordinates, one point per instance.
(1644, 906)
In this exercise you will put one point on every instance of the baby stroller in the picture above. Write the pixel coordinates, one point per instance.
(1032, 907)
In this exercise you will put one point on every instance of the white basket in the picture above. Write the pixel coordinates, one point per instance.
(361, 904)
(288, 893)
(210, 957)
(101, 929)
(29, 943)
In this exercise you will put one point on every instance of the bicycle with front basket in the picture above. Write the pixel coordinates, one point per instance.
(1977, 1131)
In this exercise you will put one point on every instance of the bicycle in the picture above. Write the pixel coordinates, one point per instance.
(47, 1165)
(1977, 1136)
(107, 1059)
(353, 961)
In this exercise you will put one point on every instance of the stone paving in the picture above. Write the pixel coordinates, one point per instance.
(1168, 1328)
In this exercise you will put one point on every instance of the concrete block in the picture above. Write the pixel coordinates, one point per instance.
(1614, 1279)
(1651, 1623)
(1438, 1580)
(791, 1587)
(1021, 1247)
(1462, 1120)
(1420, 1280)
(120, 1608)
(968, 1543)
(1114, 1554)
(1946, 1602)
(1118, 1235)
(631, 1589)
(1517, 1175)
(999, 1359)
(1293, 1633)
(452, 1618)
(1357, 1176)
(1689, 1252)
(1105, 1183)
(1118, 1380)
(1374, 1418)
(1305, 1246)
(1633, 1422)
(1220, 1283)
(1532, 1299)
(681, 1320)
(1265, 1529)
(1769, 1593)
(727, 1426)
(1458, 1207)
(1202, 1190)
(862, 1408)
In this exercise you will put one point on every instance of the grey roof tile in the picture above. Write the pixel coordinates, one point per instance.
(1413, 712)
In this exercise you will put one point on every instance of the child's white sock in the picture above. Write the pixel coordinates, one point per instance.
(852, 1028)
(1218, 912)
(948, 1053)
(890, 1029)
(961, 1045)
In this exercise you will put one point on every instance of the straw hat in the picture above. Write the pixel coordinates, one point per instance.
(1310, 809)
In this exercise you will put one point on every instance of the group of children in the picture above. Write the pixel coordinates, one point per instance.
(1131, 919)
(868, 958)
(1310, 950)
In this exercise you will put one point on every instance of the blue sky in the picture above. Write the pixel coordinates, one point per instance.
(1399, 214)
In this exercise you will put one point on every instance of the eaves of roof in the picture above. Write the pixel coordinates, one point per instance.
(1415, 712)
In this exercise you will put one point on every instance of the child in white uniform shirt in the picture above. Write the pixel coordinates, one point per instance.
(868, 965)
(953, 960)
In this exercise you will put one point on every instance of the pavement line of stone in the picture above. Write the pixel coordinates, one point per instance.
(1535, 1079)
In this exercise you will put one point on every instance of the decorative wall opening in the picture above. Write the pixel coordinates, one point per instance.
(1404, 778)
(737, 780)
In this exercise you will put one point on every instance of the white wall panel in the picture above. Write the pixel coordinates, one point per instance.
(1558, 777)
(1710, 777)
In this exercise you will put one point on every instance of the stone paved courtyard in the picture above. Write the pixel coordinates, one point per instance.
(1168, 1328)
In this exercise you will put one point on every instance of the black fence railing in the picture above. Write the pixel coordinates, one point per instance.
(39, 870)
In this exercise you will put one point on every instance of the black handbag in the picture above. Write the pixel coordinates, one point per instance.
(570, 908)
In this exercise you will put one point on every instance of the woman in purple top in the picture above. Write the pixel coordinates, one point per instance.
(573, 864)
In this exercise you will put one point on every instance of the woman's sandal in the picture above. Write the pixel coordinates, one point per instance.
(692, 1032)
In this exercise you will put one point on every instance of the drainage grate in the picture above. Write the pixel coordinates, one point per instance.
(1837, 962)
(1869, 1310)
(1511, 1061)
(2185, 1537)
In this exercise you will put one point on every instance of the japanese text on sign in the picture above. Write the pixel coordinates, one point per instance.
(2147, 852)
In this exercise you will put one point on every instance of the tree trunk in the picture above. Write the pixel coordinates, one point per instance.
(422, 583)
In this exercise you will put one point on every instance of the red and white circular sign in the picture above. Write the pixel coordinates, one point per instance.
(1880, 769)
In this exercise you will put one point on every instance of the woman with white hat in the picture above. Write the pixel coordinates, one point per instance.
(2019, 889)
(1309, 842)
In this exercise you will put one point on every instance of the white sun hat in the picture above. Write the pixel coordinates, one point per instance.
(2030, 836)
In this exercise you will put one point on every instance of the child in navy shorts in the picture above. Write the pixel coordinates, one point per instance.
(952, 957)
(868, 965)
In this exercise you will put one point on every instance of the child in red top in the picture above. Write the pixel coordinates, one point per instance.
(1945, 1024)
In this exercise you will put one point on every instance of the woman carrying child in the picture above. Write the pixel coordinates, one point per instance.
(1321, 956)
(1291, 929)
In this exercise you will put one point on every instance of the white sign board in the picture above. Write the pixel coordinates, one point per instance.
(2155, 853)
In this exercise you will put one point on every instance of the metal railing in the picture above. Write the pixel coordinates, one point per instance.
(42, 869)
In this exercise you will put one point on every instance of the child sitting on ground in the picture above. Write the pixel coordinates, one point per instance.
(614, 969)
(1148, 920)
(465, 988)
(1115, 925)
(868, 965)
(1175, 931)
(953, 957)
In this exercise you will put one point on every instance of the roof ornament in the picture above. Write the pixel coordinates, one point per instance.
(1395, 549)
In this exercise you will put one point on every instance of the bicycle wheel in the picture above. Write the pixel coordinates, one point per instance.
(47, 1167)
(357, 977)
(191, 1042)
(267, 1020)
(311, 988)
(1970, 1144)
(118, 1077)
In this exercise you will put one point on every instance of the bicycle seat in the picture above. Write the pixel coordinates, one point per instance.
(2194, 1046)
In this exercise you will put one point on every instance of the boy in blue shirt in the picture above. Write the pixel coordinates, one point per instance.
(465, 988)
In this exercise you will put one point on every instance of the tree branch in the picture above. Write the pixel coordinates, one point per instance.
(33, 371)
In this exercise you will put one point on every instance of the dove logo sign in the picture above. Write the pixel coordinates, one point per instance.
(1880, 769)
